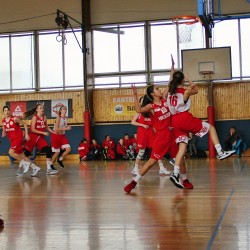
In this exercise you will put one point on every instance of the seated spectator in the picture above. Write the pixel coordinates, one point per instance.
(108, 148)
(192, 145)
(129, 146)
(83, 149)
(121, 150)
(232, 138)
(94, 151)
(235, 142)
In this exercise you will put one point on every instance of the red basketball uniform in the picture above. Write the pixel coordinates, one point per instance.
(144, 136)
(83, 150)
(182, 120)
(59, 140)
(161, 120)
(37, 140)
(14, 134)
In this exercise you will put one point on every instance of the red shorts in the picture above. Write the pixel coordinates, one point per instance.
(145, 137)
(35, 141)
(184, 123)
(17, 144)
(161, 144)
(59, 141)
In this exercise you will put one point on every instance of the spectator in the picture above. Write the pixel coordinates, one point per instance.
(232, 138)
(83, 149)
(192, 145)
(121, 150)
(129, 146)
(94, 151)
(108, 148)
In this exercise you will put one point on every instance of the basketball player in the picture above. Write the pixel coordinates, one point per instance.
(59, 140)
(11, 128)
(145, 137)
(38, 129)
(184, 122)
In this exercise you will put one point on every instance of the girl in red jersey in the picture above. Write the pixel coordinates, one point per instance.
(11, 128)
(83, 149)
(184, 122)
(121, 150)
(94, 150)
(145, 136)
(59, 140)
(38, 129)
(108, 146)
(161, 119)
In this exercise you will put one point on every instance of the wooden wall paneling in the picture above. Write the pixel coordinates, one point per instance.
(232, 101)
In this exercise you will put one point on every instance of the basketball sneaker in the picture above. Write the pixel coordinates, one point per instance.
(51, 172)
(53, 168)
(24, 165)
(164, 172)
(176, 181)
(35, 170)
(224, 154)
(60, 163)
(187, 184)
(130, 186)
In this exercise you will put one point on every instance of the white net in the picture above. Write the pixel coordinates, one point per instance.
(185, 32)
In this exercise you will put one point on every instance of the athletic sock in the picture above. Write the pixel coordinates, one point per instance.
(218, 148)
(137, 178)
(176, 170)
(183, 176)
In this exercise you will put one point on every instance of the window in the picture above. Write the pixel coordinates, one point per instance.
(132, 49)
(105, 52)
(226, 33)
(5, 63)
(73, 60)
(51, 64)
(245, 49)
(22, 50)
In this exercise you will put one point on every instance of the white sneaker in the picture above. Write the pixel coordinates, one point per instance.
(164, 172)
(135, 171)
(224, 154)
(51, 172)
(26, 167)
(35, 171)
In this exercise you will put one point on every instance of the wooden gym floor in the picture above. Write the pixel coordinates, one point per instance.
(85, 207)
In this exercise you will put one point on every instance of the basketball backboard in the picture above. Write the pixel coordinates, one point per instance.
(207, 64)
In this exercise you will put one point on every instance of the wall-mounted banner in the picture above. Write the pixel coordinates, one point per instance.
(17, 108)
(50, 107)
(123, 105)
(56, 105)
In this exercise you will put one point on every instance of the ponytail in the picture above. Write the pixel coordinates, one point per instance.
(178, 77)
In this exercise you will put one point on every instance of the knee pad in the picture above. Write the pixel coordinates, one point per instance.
(47, 151)
(140, 154)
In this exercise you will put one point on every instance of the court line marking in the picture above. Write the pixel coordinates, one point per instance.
(211, 241)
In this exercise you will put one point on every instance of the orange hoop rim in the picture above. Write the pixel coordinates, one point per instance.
(185, 19)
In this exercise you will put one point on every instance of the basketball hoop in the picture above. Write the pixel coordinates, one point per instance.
(185, 25)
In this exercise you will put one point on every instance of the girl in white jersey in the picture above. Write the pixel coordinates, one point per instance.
(184, 122)
(59, 140)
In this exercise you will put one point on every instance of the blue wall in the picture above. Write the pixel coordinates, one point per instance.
(116, 131)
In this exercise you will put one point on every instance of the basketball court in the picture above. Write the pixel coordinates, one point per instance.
(85, 207)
